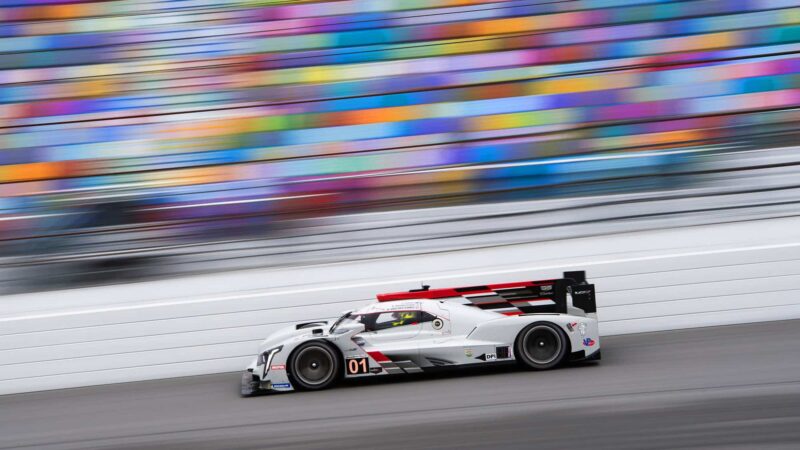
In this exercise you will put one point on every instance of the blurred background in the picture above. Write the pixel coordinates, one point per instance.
(146, 139)
(181, 178)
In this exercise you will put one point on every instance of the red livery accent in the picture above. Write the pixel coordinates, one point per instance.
(433, 294)
(378, 356)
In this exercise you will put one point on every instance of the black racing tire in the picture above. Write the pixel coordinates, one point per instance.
(541, 346)
(314, 366)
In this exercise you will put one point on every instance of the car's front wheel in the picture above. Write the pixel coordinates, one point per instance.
(314, 366)
(541, 346)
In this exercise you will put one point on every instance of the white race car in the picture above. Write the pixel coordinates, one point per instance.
(538, 324)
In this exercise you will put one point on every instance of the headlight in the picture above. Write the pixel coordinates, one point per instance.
(265, 358)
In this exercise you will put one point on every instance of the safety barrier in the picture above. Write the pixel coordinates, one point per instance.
(647, 281)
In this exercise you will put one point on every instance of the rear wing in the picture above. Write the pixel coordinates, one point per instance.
(561, 296)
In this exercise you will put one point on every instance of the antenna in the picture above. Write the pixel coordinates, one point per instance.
(424, 287)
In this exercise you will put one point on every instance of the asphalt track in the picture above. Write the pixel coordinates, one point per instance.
(732, 387)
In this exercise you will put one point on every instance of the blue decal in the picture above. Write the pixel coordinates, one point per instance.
(282, 385)
(588, 342)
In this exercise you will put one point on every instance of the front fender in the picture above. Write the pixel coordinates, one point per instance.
(275, 377)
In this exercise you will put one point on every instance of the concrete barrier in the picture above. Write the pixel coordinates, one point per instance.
(647, 281)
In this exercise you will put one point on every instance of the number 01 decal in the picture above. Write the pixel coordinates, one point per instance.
(357, 366)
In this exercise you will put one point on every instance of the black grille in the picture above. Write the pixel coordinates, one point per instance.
(502, 352)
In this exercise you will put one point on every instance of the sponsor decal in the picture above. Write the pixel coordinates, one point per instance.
(277, 367)
(437, 323)
(401, 306)
(487, 357)
(571, 326)
(546, 288)
(588, 342)
(375, 370)
(468, 352)
(282, 385)
(582, 328)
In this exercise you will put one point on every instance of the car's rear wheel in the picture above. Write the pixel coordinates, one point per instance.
(541, 346)
(314, 366)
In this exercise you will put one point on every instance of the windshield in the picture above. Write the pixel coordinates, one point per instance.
(340, 320)
(382, 320)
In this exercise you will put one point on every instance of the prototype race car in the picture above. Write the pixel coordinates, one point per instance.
(537, 324)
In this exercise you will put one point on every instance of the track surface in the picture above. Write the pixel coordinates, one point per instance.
(725, 387)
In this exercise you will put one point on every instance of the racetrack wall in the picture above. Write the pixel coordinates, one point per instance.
(651, 280)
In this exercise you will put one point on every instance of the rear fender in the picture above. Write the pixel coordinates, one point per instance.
(582, 332)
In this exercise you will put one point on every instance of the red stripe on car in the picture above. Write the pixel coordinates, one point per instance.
(458, 292)
(378, 356)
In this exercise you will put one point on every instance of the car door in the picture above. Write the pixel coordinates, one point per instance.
(435, 324)
(392, 333)
(444, 340)
(436, 343)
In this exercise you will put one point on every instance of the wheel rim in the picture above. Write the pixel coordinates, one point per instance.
(313, 366)
(542, 344)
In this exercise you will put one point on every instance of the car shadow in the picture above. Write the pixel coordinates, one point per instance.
(451, 373)
(497, 369)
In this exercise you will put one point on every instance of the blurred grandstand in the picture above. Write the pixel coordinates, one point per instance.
(187, 133)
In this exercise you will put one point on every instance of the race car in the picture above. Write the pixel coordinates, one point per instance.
(536, 324)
